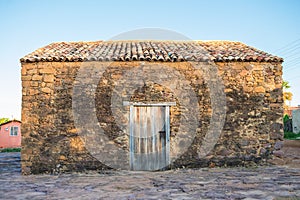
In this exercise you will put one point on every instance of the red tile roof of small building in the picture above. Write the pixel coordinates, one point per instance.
(168, 51)
(13, 120)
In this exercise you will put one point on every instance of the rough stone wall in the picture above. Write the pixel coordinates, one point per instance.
(253, 127)
(52, 142)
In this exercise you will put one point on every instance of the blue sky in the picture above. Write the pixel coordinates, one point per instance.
(268, 25)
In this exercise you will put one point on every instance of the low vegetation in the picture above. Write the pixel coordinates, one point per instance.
(288, 134)
(291, 135)
(10, 150)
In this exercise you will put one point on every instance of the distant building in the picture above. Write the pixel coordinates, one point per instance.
(296, 120)
(10, 134)
(290, 110)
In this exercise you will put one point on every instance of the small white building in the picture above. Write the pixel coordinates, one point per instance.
(296, 120)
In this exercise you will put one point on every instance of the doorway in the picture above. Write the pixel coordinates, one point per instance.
(149, 136)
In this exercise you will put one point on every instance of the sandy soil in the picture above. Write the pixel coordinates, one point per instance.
(291, 154)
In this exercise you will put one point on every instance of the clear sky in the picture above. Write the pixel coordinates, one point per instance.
(269, 25)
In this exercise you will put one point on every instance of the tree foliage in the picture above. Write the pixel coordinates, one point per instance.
(287, 96)
(285, 85)
(3, 120)
(286, 118)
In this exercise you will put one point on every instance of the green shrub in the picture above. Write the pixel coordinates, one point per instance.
(10, 150)
(291, 135)
(285, 118)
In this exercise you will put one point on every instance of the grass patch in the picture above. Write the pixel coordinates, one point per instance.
(291, 135)
(10, 150)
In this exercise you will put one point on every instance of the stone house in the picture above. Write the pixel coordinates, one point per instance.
(149, 105)
(10, 134)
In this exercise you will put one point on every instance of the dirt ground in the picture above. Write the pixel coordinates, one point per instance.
(276, 182)
(291, 154)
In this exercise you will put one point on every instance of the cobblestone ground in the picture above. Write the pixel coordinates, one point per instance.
(216, 183)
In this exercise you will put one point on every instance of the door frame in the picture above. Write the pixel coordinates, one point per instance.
(131, 121)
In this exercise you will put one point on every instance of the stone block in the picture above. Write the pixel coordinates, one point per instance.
(47, 90)
(278, 145)
(278, 153)
(48, 78)
(26, 83)
(47, 70)
(259, 89)
(37, 77)
(34, 83)
(26, 77)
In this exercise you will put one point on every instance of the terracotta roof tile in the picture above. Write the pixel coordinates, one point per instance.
(168, 51)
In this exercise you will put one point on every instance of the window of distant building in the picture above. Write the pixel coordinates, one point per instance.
(14, 131)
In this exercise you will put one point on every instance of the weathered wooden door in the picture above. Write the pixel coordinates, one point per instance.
(149, 137)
